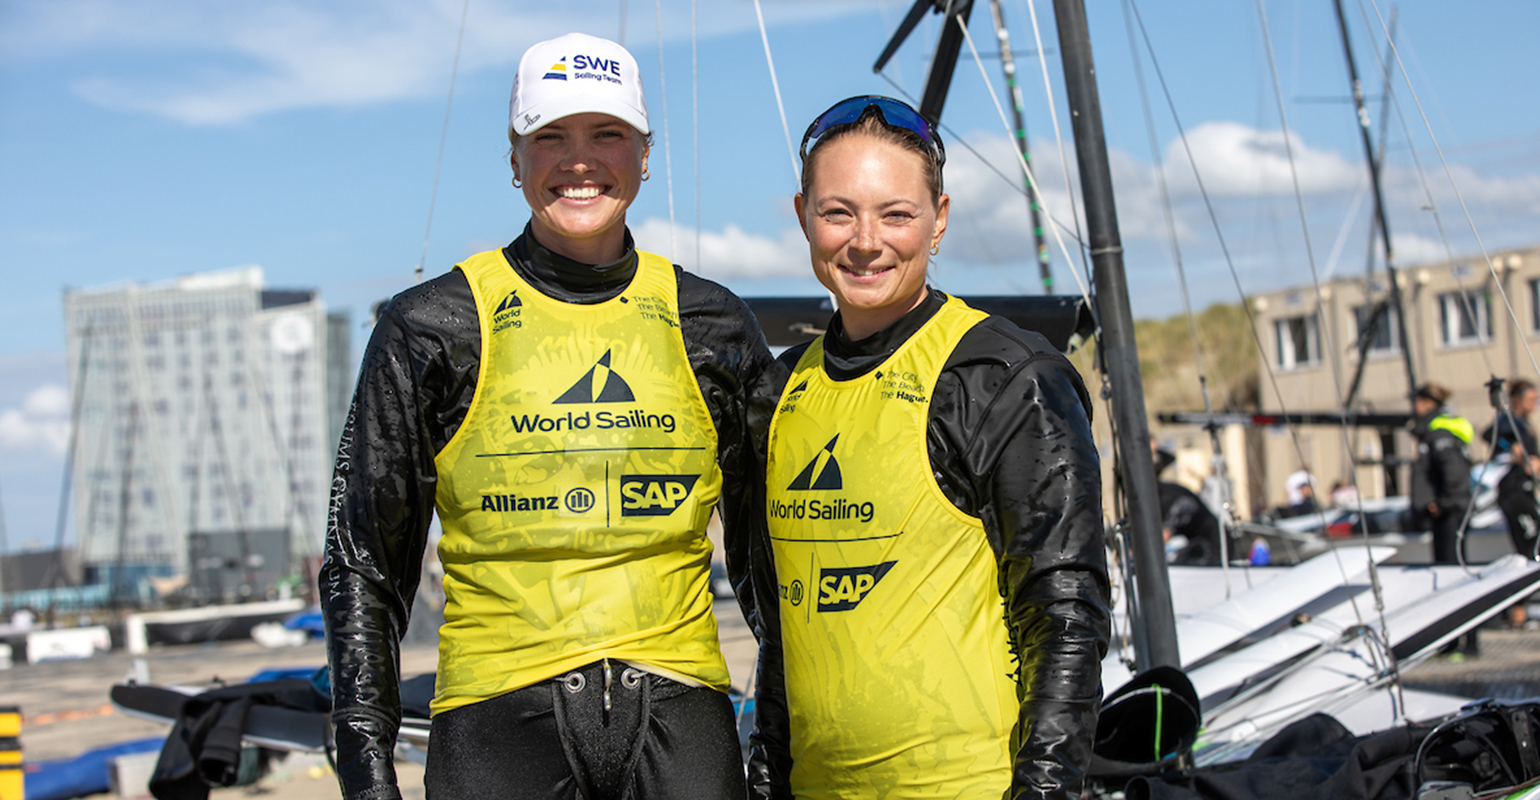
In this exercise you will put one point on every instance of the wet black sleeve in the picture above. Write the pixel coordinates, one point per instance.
(1010, 441)
(728, 354)
(769, 773)
(416, 380)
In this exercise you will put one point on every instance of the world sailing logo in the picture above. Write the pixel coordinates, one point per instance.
(599, 385)
(558, 71)
(507, 313)
(828, 475)
(822, 474)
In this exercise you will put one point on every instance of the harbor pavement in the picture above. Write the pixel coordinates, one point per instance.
(66, 711)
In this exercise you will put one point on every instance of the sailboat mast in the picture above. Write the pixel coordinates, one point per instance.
(1008, 64)
(1379, 213)
(1155, 633)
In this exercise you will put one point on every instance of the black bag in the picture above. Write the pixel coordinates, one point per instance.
(1491, 745)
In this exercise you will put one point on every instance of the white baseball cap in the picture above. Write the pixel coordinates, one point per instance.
(575, 74)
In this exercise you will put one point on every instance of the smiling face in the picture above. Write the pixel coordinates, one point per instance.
(870, 224)
(580, 174)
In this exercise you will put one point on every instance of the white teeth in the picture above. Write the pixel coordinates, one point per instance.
(578, 192)
(864, 273)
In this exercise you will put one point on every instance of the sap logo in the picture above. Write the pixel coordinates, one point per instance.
(653, 495)
(844, 588)
(609, 65)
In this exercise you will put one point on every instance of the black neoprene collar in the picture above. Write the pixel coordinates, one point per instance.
(844, 359)
(570, 281)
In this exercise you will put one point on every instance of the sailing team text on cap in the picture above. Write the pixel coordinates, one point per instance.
(575, 74)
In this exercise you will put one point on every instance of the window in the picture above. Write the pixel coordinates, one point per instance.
(1387, 337)
(1534, 304)
(1465, 317)
(1299, 342)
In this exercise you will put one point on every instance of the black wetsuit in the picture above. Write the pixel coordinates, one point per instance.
(416, 384)
(1184, 514)
(999, 391)
(1516, 490)
(1441, 477)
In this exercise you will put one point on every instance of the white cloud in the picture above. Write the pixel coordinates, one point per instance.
(1239, 160)
(42, 422)
(226, 62)
(730, 253)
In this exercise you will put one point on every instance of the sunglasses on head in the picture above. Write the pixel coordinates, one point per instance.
(896, 113)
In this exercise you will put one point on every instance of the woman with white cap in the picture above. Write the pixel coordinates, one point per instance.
(574, 410)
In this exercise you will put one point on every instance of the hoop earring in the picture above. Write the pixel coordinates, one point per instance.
(646, 174)
(516, 183)
(935, 250)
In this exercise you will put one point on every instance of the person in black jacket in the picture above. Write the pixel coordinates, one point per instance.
(1513, 440)
(573, 409)
(932, 596)
(1440, 488)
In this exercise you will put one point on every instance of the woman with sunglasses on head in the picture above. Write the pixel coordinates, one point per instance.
(932, 595)
(573, 408)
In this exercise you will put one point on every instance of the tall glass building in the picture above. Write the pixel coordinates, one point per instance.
(208, 412)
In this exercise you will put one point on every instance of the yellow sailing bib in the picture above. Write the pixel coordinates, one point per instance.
(899, 675)
(574, 497)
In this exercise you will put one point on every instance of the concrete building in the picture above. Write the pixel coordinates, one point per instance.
(209, 408)
(1459, 332)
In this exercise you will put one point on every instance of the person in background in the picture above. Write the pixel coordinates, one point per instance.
(936, 628)
(1440, 486)
(573, 410)
(1184, 514)
(1513, 441)
(1343, 494)
(1299, 494)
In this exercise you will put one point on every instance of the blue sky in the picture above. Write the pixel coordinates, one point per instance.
(148, 139)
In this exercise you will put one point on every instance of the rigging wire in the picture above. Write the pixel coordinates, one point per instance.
(443, 136)
(1324, 331)
(1229, 260)
(1031, 179)
(1227, 519)
(1455, 187)
(1058, 136)
(668, 157)
(1466, 298)
(791, 151)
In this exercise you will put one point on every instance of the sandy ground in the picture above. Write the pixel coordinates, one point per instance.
(66, 711)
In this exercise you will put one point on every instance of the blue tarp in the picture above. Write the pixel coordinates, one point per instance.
(83, 775)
